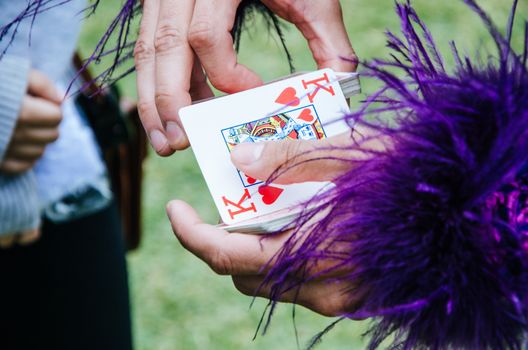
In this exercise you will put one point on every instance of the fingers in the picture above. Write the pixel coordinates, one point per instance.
(39, 85)
(296, 161)
(38, 112)
(200, 90)
(26, 152)
(168, 73)
(21, 157)
(169, 76)
(321, 23)
(336, 53)
(7, 241)
(210, 38)
(293, 161)
(174, 62)
(29, 237)
(37, 126)
(144, 58)
(36, 136)
(329, 297)
(226, 253)
(23, 239)
(15, 166)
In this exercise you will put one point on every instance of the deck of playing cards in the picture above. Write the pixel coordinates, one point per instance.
(307, 107)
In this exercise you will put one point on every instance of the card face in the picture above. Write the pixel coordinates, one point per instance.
(305, 107)
(298, 124)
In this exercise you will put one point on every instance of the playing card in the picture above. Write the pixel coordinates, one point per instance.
(307, 107)
(276, 221)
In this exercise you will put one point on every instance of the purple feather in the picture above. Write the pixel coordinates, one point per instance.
(434, 230)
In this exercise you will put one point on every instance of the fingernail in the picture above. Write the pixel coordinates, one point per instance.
(248, 153)
(174, 133)
(158, 140)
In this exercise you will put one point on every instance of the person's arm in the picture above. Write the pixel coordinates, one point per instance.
(29, 117)
(18, 194)
(14, 72)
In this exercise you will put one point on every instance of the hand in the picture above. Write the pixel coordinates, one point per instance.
(179, 40)
(36, 127)
(24, 238)
(246, 257)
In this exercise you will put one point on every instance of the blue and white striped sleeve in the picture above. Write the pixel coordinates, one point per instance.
(18, 194)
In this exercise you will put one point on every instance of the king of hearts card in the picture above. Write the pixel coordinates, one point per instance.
(306, 107)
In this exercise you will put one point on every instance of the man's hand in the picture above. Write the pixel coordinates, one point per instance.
(182, 43)
(36, 127)
(321, 24)
(246, 257)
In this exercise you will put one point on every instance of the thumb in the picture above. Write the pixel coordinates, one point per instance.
(293, 161)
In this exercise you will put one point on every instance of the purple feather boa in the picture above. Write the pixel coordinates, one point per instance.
(434, 230)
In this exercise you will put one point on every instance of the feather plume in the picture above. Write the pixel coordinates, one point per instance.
(433, 231)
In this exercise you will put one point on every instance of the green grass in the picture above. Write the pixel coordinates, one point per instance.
(177, 302)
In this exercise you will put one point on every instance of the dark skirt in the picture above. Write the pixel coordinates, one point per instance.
(68, 290)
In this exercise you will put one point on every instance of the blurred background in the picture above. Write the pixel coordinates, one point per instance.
(177, 302)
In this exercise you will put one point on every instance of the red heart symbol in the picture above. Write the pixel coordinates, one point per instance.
(307, 115)
(288, 97)
(270, 194)
(250, 180)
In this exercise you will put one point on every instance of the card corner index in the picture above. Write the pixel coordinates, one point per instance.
(231, 209)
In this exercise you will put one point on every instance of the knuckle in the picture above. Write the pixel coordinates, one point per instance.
(39, 152)
(18, 167)
(54, 135)
(202, 34)
(21, 167)
(57, 117)
(296, 10)
(37, 80)
(145, 109)
(143, 52)
(220, 262)
(21, 133)
(292, 150)
(164, 100)
(168, 37)
(220, 80)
